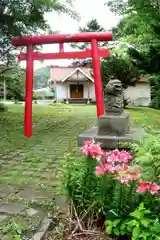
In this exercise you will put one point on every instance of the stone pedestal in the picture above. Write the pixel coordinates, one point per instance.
(112, 131)
(114, 125)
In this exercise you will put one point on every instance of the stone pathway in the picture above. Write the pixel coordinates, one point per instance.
(23, 213)
(28, 175)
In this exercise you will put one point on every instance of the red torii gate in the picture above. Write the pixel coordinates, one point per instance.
(95, 53)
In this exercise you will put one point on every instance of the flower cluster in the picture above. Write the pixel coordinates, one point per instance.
(152, 187)
(126, 175)
(116, 162)
(93, 150)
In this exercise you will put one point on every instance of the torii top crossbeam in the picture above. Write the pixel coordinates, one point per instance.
(62, 38)
(30, 56)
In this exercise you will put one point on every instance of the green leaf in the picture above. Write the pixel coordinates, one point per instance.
(136, 232)
(129, 228)
(145, 222)
(116, 231)
(141, 207)
(108, 223)
(133, 223)
(123, 226)
(145, 235)
(137, 214)
(123, 232)
(116, 222)
(146, 211)
(17, 237)
(157, 238)
(109, 229)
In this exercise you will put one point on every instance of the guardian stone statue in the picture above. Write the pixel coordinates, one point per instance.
(113, 97)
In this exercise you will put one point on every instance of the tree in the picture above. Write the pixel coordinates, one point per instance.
(134, 30)
(41, 77)
(141, 25)
(155, 91)
(19, 18)
(15, 83)
(149, 63)
(91, 26)
(119, 7)
(146, 61)
(16, 87)
(23, 17)
(119, 68)
(140, 19)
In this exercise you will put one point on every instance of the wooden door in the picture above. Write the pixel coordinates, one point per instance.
(76, 91)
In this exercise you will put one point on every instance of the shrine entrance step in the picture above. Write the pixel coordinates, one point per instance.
(78, 100)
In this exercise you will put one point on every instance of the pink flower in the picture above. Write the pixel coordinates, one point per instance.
(134, 174)
(142, 187)
(111, 168)
(124, 168)
(107, 168)
(126, 176)
(124, 157)
(86, 147)
(92, 149)
(118, 156)
(124, 179)
(100, 170)
(153, 188)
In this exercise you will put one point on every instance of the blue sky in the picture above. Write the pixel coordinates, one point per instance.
(88, 9)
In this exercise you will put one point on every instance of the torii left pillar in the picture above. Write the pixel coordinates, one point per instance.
(29, 93)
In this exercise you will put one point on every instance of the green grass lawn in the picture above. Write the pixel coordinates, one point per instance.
(33, 162)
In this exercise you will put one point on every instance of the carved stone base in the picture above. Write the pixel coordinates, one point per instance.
(111, 124)
(112, 142)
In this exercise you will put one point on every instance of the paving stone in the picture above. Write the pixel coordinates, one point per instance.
(42, 229)
(19, 151)
(12, 155)
(28, 172)
(31, 211)
(22, 154)
(6, 190)
(12, 208)
(32, 195)
(3, 217)
(62, 203)
(4, 157)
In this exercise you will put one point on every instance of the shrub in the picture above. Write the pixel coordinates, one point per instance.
(79, 183)
(108, 185)
(155, 91)
(138, 225)
(120, 68)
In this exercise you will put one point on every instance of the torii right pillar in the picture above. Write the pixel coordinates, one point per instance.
(97, 78)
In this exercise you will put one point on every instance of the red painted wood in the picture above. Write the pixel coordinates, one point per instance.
(61, 38)
(61, 47)
(97, 78)
(95, 53)
(64, 55)
(28, 97)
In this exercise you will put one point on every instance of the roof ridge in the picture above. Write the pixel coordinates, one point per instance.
(68, 67)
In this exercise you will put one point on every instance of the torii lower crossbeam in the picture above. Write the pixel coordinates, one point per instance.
(95, 53)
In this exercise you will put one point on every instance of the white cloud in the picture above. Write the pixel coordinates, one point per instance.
(88, 9)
